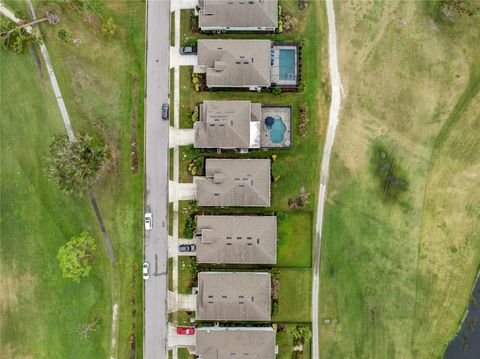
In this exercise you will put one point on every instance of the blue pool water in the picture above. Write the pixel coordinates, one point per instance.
(286, 62)
(277, 131)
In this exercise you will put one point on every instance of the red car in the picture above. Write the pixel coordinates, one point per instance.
(185, 331)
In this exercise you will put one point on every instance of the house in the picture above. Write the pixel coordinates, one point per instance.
(235, 342)
(252, 64)
(235, 63)
(238, 15)
(242, 125)
(236, 239)
(235, 183)
(228, 124)
(234, 296)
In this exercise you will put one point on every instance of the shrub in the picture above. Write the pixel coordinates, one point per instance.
(282, 217)
(195, 115)
(64, 34)
(277, 90)
(109, 27)
(302, 123)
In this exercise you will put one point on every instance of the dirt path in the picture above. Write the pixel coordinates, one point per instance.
(332, 126)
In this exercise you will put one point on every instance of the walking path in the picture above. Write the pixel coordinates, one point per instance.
(332, 126)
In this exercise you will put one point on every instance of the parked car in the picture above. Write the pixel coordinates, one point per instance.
(146, 270)
(188, 50)
(148, 221)
(185, 331)
(187, 248)
(165, 110)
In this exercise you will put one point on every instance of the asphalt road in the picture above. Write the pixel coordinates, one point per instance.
(332, 127)
(156, 178)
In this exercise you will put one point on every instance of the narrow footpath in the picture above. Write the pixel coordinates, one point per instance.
(332, 126)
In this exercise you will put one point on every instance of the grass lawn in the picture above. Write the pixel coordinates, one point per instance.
(303, 158)
(294, 247)
(185, 278)
(285, 343)
(184, 354)
(102, 84)
(40, 310)
(294, 304)
(181, 318)
(397, 270)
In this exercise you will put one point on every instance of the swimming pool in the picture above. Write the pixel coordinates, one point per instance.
(286, 62)
(277, 130)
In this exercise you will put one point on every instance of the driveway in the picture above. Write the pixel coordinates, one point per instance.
(181, 137)
(177, 340)
(178, 302)
(182, 191)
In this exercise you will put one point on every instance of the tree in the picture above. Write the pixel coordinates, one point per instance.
(14, 38)
(74, 166)
(74, 257)
(301, 333)
(64, 34)
(109, 27)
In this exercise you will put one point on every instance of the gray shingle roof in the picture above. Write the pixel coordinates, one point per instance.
(235, 343)
(235, 183)
(237, 239)
(234, 296)
(235, 63)
(228, 124)
(238, 13)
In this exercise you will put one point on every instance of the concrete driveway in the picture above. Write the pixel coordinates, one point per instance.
(178, 340)
(177, 59)
(176, 302)
(180, 137)
(173, 250)
(181, 191)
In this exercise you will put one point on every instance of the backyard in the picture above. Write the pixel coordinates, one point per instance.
(401, 233)
(102, 84)
(295, 225)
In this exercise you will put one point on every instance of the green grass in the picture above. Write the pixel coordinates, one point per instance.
(285, 343)
(97, 81)
(185, 278)
(294, 304)
(170, 273)
(397, 272)
(40, 310)
(303, 158)
(181, 318)
(184, 354)
(294, 246)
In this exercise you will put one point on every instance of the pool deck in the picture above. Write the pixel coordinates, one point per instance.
(275, 72)
(285, 113)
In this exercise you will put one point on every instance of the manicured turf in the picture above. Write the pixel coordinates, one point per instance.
(303, 158)
(98, 82)
(184, 354)
(185, 278)
(294, 240)
(294, 304)
(397, 272)
(40, 310)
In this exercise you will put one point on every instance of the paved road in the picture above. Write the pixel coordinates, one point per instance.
(156, 178)
(332, 126)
